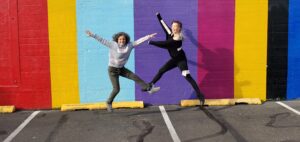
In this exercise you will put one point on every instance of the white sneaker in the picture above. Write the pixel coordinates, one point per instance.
(153, 90)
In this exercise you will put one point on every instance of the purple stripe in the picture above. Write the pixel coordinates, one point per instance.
(216, 48)
(148, 59)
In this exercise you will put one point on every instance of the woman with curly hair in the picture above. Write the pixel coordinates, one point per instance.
(119, 52)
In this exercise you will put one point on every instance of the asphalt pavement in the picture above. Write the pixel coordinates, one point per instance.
(270, 122)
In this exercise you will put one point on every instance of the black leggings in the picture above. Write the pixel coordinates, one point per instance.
(182, 65)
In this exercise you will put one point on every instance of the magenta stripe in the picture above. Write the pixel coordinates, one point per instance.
(216, 47)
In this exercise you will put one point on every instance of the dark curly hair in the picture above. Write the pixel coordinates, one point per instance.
(117, 35)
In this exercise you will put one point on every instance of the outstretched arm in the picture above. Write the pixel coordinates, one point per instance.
(100, 39)
(162, 44)
(165, 27)
(143, 39)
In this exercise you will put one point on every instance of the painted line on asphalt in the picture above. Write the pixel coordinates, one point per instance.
(19, 129)
(289, 108)
(169, 124)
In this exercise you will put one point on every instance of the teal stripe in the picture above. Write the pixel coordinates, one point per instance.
(104, 18)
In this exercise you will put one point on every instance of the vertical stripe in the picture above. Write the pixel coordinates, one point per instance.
(34, 89)
(215, 50)
(293, 80)
(250, 48)
(9, 52)
(149, 59)
(104, 18)
(63, 52)
(277, 49)
(9, 48)
(25, 33)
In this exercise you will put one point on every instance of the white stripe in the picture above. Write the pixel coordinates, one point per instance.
(288, 107)
(15, 132)
(185, 72)
(166, 27)
(169, 124)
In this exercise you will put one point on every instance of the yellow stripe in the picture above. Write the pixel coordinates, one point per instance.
(250, 48)
(63, 52)
(221, 102)
(102, 105)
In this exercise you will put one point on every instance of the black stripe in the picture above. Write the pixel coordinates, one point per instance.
(277, 49)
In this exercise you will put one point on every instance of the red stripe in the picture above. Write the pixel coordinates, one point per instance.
(9, 49)
(34, 89)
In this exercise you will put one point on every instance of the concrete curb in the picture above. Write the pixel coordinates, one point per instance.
(221, 102)
(102, 105)
(7, 109)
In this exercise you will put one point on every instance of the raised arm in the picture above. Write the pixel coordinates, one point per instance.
(143, 39)
(163, 24)
(100, 39)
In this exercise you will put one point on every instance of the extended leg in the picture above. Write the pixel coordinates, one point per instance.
(114, 78)
(171, 64)
(200, 95)
(186, 73)
(132, 76)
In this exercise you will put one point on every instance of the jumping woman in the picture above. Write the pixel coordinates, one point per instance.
(173, 44)
(119, 52)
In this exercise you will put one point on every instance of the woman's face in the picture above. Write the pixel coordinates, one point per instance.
(121, 40)
(176, 28)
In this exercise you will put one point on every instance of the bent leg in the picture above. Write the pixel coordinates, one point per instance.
(132, 76)
(171, 64)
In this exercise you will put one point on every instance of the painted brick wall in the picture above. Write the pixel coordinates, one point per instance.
(46, 60)
(33, 90)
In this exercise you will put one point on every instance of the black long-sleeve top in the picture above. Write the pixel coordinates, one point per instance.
(173, 46)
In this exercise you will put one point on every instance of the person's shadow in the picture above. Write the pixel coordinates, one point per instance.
(216, 75)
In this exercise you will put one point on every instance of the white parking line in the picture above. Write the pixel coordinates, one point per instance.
(169, 124)
(15, 132)
(288, 107)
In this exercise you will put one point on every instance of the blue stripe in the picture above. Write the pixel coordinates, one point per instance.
(294, 50)
(104, 18)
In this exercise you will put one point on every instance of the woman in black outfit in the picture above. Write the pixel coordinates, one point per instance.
(173, 44)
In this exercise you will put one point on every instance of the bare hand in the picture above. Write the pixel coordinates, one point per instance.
(152, 35)
(89, 33)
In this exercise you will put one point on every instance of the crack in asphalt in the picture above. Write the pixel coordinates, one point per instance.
(225, 127)
(274, 118)
(145, 128)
